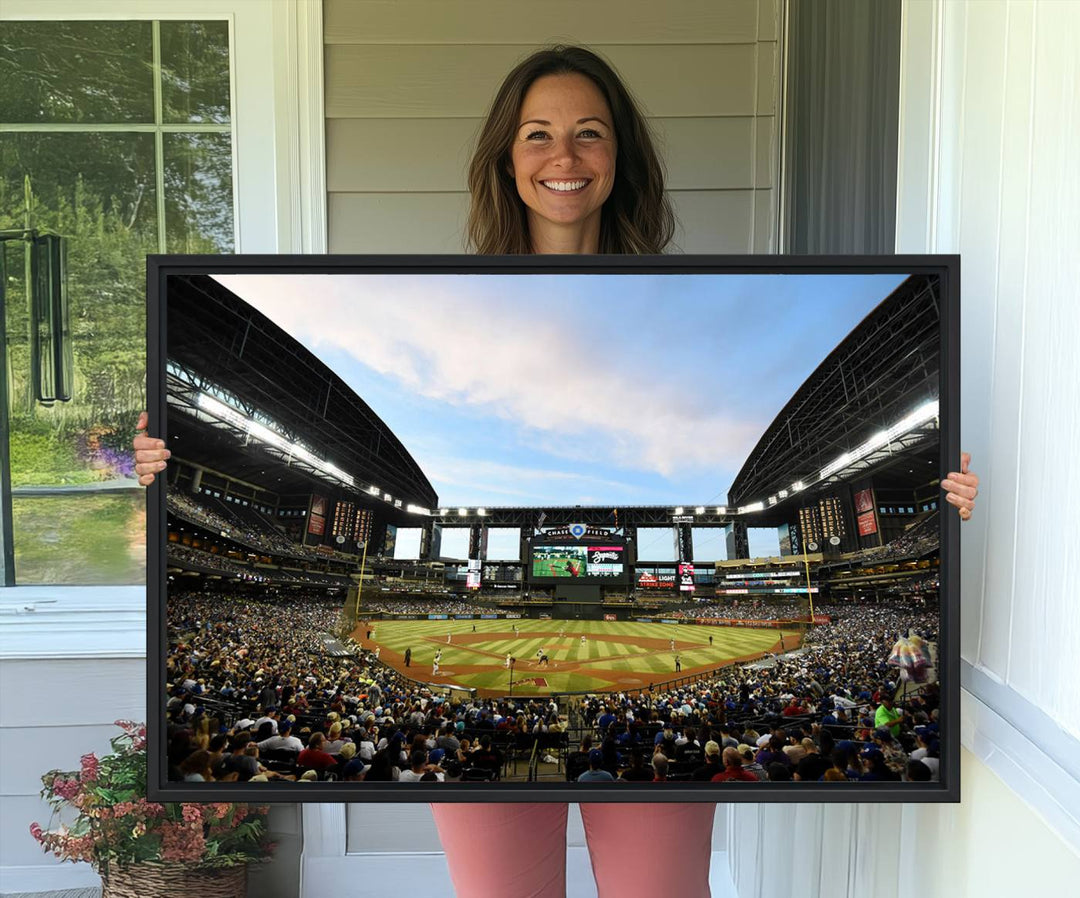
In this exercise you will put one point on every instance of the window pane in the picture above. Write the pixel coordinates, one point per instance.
(98, 191)
(81, 539)
(78, 515)
(195, 72)
(76, 72)
(198, 193)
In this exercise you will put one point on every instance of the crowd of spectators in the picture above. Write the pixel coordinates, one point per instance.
(832, 702)
(376, 602)
(178, 553)
(252, 679)
(915, 542)
(244, 526)
(747, 610)
(253, 694)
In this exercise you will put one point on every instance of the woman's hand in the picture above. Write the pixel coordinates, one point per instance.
(961, 487)
(150, 453)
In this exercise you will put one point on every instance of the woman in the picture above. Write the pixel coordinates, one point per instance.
(565, 164)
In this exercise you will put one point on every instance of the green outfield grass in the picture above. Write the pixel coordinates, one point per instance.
(615, 655)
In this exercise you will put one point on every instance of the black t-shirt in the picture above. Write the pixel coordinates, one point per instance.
(812, 768)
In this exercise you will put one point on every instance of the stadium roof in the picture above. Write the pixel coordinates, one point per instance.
(220, 348)
(886, 368)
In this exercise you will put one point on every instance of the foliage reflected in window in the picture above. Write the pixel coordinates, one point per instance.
(78, 514)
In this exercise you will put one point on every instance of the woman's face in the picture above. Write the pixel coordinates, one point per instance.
(563, 154)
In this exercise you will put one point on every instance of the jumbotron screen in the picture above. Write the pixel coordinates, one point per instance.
(578, 561)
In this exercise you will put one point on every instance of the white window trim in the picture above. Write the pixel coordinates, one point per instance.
(280, 200)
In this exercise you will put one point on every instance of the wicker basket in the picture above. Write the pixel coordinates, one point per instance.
(173, 881)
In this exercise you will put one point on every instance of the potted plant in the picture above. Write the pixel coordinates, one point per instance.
(143, 848)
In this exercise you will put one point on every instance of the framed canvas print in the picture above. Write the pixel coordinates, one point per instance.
(546, 529)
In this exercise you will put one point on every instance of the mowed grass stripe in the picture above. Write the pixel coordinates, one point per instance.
(617, 641)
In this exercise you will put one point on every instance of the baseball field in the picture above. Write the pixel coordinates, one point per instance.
(614, 655)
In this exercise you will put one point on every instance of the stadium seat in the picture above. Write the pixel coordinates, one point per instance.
(477, 775)
(520, 749)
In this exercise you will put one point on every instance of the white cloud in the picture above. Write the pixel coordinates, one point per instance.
(503, 484)
(449, 340)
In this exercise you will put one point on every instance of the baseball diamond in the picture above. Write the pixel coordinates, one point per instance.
(618, 655)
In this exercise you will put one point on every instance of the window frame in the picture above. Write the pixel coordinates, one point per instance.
(276, 90)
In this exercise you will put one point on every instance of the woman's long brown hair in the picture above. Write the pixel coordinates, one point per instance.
(637, 216)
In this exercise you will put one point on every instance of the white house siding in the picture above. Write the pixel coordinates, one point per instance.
(407, 85)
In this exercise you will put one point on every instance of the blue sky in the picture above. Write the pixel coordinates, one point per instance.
(571, 389)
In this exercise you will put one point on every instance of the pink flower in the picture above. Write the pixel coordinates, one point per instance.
(150, 808)
(192, 813)
(65, 788)
(37, 832)
(220, 809)
(89, 768)
(181, 842)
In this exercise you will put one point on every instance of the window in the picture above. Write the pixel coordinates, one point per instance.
(118, 137)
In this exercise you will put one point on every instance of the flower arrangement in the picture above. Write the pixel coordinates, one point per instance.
(116, 825)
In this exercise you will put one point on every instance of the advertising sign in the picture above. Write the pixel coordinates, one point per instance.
(657, 579)
(867, 523)
(864, 501)
(317, 516)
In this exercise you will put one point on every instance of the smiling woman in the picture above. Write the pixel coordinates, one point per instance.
(563, 117)
(563, 162)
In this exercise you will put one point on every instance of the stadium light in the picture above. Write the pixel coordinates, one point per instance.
(797, 486)
(753, 506)
(783, 494)
(444, 511)
(374, 490)
(679, 510)
(917, 418)
(721, 509)
(416, 509)
(699, 510)
(462, 512)
(397, 503)
(264, 434)
(772, 500)
(481, 511)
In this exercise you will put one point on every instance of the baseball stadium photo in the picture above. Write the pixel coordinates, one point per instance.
(395, 555)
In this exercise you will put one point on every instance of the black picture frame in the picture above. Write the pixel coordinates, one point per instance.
(947, 789)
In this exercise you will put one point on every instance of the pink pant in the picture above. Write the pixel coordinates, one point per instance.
(520, 849)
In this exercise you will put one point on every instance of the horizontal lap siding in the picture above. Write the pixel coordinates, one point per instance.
(522, 22)
(52, 713)
(407, 85)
